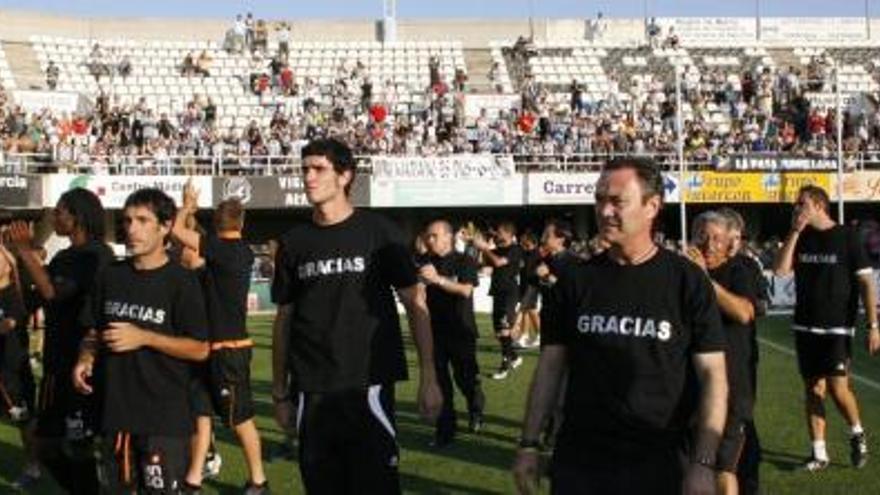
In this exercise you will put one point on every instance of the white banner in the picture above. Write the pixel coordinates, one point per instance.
(443, 167)
(579, 188)
(58, 102)
(774, 163)
(114, 189)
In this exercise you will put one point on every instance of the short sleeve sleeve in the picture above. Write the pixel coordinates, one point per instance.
(701, 311)
(190, 318)
(282, 281)
(857, 253)
(395, 259)
(743, 282)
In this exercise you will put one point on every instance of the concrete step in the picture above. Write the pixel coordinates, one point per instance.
(24, 65)
(478, 62)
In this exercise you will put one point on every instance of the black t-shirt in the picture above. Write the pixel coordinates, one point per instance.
(631, 333)
(451, 314)
(504, 278)
(527, 277)
(72, 271)
(227, 280)
(826, 264)
(560, 265)
(344, 327)
(13, 344)
(762, 301)
(145, 391)
(738, 279)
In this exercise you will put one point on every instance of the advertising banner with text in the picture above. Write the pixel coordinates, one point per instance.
(278, 192)
(21, 191)
(113, 189)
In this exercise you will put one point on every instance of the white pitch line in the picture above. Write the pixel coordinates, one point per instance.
(790, 352)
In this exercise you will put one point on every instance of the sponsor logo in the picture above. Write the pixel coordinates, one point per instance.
(13, 182)
(332, 266)
(116, 309)
(238, 187)
(626, 326)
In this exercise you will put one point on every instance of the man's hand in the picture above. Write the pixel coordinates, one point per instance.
(20, 234)
(525, 471)
(480, 243)
(125, 337)
(6, 325)
(430, 398)
(82, 374)
(429, 274)
(542, 271)
(695, 255)
(872, 341)
(800, 220)
(285, 414)
(700, 480)
(190, 196)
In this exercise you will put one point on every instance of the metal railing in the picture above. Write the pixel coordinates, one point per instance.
(233, 164)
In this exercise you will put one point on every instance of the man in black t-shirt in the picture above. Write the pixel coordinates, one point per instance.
(65, 418)
(748, 475)
(148, 324)
(830, 270)
(337, 332)
(646, 397)
(735, 291)
(528, 322)
(226, 282)
(505, 260)
(450, 278)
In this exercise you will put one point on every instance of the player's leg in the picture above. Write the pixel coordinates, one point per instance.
(232, 391)
(841, 391)
(445, 425)
(200, 444)
(811, 363)
(322, 422)
(373, 462)
(161, 463)
(466, 372)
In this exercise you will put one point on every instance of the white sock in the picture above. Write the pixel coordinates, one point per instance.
(819, 451)
(857, 429)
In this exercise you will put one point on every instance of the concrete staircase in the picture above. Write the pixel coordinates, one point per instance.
(24, 65)
(478, 62)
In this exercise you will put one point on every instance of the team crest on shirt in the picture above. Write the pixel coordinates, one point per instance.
(625, 326)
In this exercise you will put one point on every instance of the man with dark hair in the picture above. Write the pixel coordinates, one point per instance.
(830, 270)
(226, 282)
(147, 324)
(527, 327)
(735, 291)
(646, 397)
(450, 278)
(337, 331)
(65, 418)
(504, 258)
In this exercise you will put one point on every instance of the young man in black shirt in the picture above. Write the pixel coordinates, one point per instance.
(528, 322)
(830, 270)
(735, 291)
(148, 324)
(505, 260)
(639, 333)
(65, 418)
(450, 278)
(338, 333)
(226, 282)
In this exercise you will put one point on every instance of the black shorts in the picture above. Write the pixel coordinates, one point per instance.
(230, 384)
(143, 463)
(661, 475)
(730, 448)
(504, 311)
(529, 299)
(62, 412)
(200, 402)
(348, 442)
(823, 355)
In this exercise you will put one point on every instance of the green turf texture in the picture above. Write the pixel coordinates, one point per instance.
(481, 464)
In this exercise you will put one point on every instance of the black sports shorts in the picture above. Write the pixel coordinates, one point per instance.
(821, 355)
(230, 384)
(200, 402)
(504, 311)
(149, 464)
(662, 474)
(348, 442)
(529, 299)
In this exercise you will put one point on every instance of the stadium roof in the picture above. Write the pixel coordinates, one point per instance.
(372, 9)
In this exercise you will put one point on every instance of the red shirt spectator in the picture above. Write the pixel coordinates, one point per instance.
(378, 113)
(526, 122)
(286, 78)
(80, 126)
(262, 84)
(817, 124)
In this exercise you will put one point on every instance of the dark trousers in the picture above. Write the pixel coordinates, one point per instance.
(460, 353)
(748, 471)
(348, 442)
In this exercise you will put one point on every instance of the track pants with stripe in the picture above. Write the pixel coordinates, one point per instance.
(348, 442)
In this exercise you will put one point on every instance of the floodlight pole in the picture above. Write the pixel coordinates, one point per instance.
(682, 184)
(758, 20)
(839, 103)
